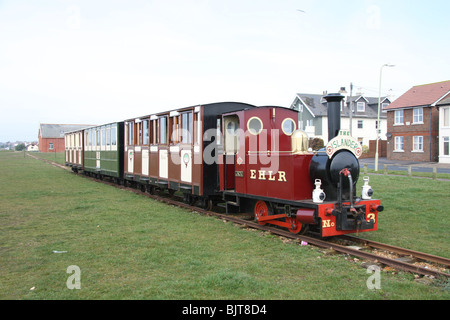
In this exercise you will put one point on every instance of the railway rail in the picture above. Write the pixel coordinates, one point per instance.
(325, 244)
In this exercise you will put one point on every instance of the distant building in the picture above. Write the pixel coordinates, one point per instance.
(413, 123)
(313, 117)
(32, 147)
(51, 136)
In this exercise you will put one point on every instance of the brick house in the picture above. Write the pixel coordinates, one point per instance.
(51, 136)
(413, 123)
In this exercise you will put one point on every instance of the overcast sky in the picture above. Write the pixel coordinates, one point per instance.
(98, 61)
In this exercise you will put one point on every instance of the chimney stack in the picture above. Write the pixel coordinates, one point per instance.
(334, 114)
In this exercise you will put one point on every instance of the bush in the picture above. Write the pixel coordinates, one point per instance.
(316, 144)
(20, 147)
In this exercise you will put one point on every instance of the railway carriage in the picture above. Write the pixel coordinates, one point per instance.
(74, 151)
(103, 151)
(176, 150)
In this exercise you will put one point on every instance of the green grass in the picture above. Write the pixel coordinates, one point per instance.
(416, 213)
(58, 157)
(130, 247)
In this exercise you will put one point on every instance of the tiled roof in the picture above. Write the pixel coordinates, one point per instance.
(317, 105)
(58, 130)
(445, 101)
(423, 95)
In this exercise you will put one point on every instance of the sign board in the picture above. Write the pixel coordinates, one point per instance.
(344, 141)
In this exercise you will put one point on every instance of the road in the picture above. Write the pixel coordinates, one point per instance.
(403, 165)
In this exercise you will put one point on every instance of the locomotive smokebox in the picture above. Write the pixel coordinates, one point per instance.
(334, 114)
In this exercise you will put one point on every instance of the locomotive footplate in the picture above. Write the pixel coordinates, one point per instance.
(352, 218)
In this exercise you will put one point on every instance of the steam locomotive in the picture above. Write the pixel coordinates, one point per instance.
(245, 158)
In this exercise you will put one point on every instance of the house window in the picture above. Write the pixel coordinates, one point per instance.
(446, 116)
(418, 115)
(446, 146)
(384, 106)
(398, 144)
(418, 144)
(50, 146)
(398, 117)
(360, 124)
(361, 107)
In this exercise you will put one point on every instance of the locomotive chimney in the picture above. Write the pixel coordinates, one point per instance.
(334, 114)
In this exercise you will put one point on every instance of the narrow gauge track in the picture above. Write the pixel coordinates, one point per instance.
(397, 250)
(397, 264)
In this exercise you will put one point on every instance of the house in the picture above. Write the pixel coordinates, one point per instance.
(444, 129)
(51, 136)
(313, 116)
(32, 147)
(413, 123)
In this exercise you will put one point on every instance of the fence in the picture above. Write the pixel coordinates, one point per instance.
(410, 171)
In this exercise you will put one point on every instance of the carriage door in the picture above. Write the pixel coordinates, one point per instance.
(230, 149)
(187, 131)
(130, 151)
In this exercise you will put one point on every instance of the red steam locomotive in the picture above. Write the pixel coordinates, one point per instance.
(246, 158)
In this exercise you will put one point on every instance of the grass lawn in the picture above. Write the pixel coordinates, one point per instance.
(130, 247)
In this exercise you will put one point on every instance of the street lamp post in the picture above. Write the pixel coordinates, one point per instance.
(378, 118)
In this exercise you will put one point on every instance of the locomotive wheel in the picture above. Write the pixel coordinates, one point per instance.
(261, 210)
(295, 226)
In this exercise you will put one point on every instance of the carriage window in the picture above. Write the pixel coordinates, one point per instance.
(108, 136)
(93, 138)
(288, 126)
(138, 132)
(186, 127)
(175, 134)
(113, 136)
(232, 127)
(145, 132)
(98, 137)
(254, 125)
(163, 130)
(154, 132)
(231, 136)
(130, 133)
(103, 137)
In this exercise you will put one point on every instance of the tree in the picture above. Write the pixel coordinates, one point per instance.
(20, 147)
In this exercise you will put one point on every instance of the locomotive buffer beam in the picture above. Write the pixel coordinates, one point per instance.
(352, 218)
